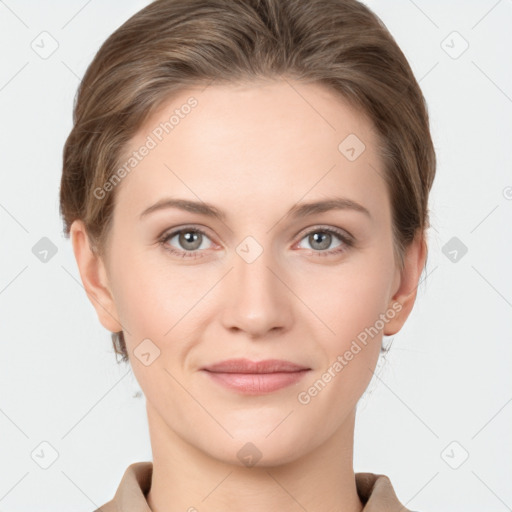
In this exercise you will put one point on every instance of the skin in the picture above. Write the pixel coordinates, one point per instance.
(254, 151)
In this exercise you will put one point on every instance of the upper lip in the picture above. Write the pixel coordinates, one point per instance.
(248, 366)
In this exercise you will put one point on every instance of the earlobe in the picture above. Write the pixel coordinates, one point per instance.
(404, 297)
(94, 277)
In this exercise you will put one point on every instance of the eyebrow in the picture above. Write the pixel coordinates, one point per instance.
(298, 211)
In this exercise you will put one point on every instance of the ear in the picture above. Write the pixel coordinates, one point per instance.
(94, 277)
(408, 279)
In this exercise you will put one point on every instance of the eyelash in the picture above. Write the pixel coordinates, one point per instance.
(347, 242)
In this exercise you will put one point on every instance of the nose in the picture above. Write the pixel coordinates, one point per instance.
(257, 299)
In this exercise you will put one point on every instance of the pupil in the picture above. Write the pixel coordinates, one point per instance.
(190, 237)
(321, 238)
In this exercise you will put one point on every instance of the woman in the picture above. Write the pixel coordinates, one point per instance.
(246, 190)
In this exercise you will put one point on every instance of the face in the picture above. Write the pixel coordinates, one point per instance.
(264, 277)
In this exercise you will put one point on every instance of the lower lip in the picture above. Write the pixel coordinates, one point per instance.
(257, 383)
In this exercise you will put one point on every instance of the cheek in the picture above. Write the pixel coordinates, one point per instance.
(140, 294)
(157, 300)
(356, 299)
(351, 297)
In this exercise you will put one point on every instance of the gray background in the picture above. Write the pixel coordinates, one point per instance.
(442, 394)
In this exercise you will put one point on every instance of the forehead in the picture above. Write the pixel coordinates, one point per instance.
(247, 112)
(260, 140)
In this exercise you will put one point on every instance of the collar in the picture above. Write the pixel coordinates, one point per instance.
(375, 491)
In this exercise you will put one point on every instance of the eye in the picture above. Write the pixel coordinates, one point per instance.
(189, 240)
(321, 238)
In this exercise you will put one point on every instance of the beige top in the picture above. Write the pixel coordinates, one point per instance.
(375, 491)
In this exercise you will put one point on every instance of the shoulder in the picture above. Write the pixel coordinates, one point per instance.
(130, 495)
(110, 506)
(377, 493)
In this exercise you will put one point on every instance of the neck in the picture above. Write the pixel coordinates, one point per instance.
(188, 478)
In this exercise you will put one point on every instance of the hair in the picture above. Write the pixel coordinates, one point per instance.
(172, 44)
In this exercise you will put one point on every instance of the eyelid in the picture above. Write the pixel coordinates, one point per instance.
(326, 227)
(343, 233)
(177, 229)
(346, 239)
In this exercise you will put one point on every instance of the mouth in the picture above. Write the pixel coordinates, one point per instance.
(254, 378)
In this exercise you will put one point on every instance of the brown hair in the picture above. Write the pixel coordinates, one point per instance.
(171, 44)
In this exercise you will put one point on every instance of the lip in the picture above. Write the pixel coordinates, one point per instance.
(242, 365)
(255, 377)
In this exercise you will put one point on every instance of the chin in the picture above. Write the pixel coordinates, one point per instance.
(254, 447)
